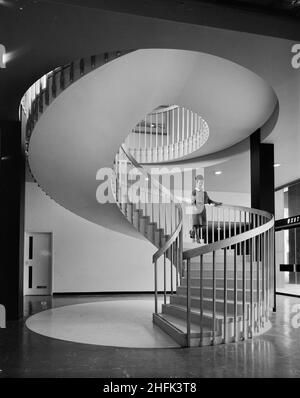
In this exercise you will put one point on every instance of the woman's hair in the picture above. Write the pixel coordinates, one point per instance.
(199, 177)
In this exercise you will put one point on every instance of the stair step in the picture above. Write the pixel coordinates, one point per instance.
(179, 310)
(176, 328)
(208, 304)
(220, 273)
(208, 292)
(208, 282)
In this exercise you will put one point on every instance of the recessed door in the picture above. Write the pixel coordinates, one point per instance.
(38, 264)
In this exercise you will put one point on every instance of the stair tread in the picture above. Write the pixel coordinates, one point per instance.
(219, 288)
(229, 301)
(218, 277)
(206, 313)
(180, 324)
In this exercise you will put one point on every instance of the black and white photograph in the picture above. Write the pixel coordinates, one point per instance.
(150, 193)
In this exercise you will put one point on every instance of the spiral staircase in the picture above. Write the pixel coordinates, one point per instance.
(219, 291)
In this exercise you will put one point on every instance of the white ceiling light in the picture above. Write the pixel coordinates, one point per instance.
(276, 164)
(217, 173)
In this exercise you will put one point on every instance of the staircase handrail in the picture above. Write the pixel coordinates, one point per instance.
(233, 240)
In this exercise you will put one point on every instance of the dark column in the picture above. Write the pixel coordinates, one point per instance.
(12, 173)
(262, 182)
(294, 234)
(262, 174)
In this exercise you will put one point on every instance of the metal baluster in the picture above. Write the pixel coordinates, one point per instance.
(224, 224)
(151, 136)
(47, 93)
(214, 298)
(145, 139)
(274, 270)
(251, 287)
(240, 231)
(71, 72)
(206, 229)
(173, 126)
(187, 128)
(188, 304)
(166, 225)
(212, 225)
(62, 79)
(167, 116)
(201, 299)
(165, 280)
(176, 262)
(257, 285)
(263, 280)
(244, 289)
(156, 144)
(81, 66)
(235, 296)
(93, 61)
(267, 275)
(159, 200)
(180, 251)
(178, 129)
(162, 136)
(152, 203)
(171, 269)
(182, 125)
(234, 221)
(225, 297)
(218, 214)
(155, 286)
(54, 91)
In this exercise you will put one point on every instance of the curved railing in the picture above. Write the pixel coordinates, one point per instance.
(167, 134)
(40, 95)
(248, 235)
(153, 200)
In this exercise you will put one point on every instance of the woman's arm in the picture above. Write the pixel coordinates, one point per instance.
(210, 201)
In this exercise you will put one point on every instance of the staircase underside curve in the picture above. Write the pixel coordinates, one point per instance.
(83, 128)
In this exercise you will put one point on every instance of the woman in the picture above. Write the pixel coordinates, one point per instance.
(199, 199)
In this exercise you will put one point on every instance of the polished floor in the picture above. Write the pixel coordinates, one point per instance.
(116, 323)
(24, 353)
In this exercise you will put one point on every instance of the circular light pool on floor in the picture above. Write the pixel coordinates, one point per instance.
(118, 323)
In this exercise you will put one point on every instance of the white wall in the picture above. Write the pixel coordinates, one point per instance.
(90, 258)
(87, 257)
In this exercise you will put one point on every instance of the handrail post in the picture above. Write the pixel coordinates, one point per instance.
(188, 303)
(165, 280)
(274, 269)
(214, 298)
(236, 337)
(155, 286)
(201, 299)
(225, 297)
